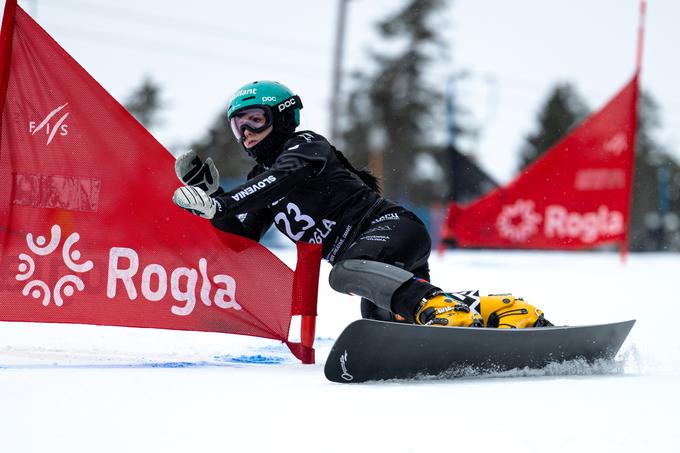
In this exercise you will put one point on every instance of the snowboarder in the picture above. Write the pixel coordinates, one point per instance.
(311, 192)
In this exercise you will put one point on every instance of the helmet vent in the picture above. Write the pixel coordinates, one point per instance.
(248, 98)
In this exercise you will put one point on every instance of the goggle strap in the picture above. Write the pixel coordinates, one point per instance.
(293, 101)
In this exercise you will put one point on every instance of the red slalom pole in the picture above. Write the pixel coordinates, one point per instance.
(638, 70)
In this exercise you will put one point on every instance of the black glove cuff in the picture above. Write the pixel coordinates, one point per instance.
(220, 207)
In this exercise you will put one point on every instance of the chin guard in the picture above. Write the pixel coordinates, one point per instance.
(375, 281)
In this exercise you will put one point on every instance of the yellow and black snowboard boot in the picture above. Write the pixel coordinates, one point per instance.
(442, 309)
(506, 311)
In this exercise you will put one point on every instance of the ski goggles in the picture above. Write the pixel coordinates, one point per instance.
(259, 117)
(255, 119)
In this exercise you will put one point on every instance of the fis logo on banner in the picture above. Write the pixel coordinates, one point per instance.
(519, 221)
(617, 144)
(123, 264)
(49, 127)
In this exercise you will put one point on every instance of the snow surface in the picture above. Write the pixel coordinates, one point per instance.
(73, 388)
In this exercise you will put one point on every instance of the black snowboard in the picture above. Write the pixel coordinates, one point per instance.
(370, 350)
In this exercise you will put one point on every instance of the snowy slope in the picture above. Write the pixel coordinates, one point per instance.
(85, 388)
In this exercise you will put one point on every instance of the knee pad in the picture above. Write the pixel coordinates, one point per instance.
(370, 279)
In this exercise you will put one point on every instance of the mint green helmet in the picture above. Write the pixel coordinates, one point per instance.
(265, 92)
(259, 105)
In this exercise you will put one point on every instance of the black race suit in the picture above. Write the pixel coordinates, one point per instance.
(311, 196)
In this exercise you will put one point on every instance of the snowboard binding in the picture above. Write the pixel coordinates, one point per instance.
(443, 309)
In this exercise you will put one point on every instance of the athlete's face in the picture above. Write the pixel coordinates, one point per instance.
(251, 123)
(253, 138)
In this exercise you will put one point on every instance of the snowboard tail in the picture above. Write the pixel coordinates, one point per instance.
(375, 350)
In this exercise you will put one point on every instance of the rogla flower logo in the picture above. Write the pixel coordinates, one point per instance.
(65, 285)
(519, 221)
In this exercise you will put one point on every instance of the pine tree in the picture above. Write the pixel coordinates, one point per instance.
(562, 110)
(391, 112)
(649, 229)
(145, 103)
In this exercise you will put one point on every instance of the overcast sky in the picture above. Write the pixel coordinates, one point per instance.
(514, 52)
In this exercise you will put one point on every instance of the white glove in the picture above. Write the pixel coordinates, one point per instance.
(196, 173)
(196, 201)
